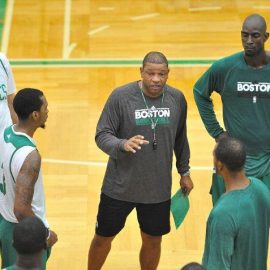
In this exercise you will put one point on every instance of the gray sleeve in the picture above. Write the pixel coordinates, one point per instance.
(107, 131)
(181, 147)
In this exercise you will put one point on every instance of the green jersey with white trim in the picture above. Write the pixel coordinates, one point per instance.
(15, 147)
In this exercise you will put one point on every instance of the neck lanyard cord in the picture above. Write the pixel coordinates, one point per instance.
(153, 123)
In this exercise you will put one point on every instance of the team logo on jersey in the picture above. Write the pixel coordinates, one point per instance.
(144, 116)
(260, 89)
(3, 92)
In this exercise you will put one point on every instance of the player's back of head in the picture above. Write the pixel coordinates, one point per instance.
(231, 152)
(193, 266)
(30, 236)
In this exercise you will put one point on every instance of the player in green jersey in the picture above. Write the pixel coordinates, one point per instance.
(243, 82)
(237, 233)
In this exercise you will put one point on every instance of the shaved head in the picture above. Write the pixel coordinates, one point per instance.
(255, 20)
(254, 35)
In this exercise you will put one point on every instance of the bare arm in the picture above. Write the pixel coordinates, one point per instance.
(11, 109)
(25, 184)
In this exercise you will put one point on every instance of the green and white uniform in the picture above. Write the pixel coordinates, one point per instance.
(9, 268)
(237, 231)
(7, 87)
(15, 147)
(245, 94)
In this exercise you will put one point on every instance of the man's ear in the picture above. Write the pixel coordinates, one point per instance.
(35, 115)
(266, 36)
(219, 166)
(141, 70)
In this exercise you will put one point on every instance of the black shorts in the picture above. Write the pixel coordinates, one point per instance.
(154, 219)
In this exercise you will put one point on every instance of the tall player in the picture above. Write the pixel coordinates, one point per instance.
(243, 82)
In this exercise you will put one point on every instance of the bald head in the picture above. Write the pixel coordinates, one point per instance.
(254, 36)
(255, 20)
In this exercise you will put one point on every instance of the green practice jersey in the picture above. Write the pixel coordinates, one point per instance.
(245, 95)
(238, 230)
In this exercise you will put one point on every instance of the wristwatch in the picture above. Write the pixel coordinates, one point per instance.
(187, 173)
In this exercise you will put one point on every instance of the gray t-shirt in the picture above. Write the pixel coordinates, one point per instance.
(143, 177)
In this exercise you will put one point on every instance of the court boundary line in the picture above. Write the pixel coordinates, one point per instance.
(67, 46)
(3, 4)
(103, 62)
(104, 164)
(98, 29)
(7, 25)
(144, 16)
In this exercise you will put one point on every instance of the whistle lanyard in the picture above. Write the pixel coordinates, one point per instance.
(154, 122)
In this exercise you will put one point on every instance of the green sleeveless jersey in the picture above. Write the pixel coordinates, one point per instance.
(15, 147)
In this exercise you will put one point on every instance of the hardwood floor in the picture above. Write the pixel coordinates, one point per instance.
(123, 30)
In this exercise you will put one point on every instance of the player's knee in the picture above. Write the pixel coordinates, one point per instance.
(101, 241)
(151, 241)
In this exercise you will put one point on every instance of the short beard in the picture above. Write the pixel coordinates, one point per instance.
(42, 126)
(249, 54)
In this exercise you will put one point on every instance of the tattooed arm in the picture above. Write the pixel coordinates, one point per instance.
(25, 184)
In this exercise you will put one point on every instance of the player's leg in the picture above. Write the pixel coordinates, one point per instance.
(111, 220)
(154, 222)
(45, 256)
(1, 220)
(150, 251)
(98, 252)
(217, 188)
(8, 253)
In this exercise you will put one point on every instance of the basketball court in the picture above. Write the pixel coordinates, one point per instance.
(77, 52)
